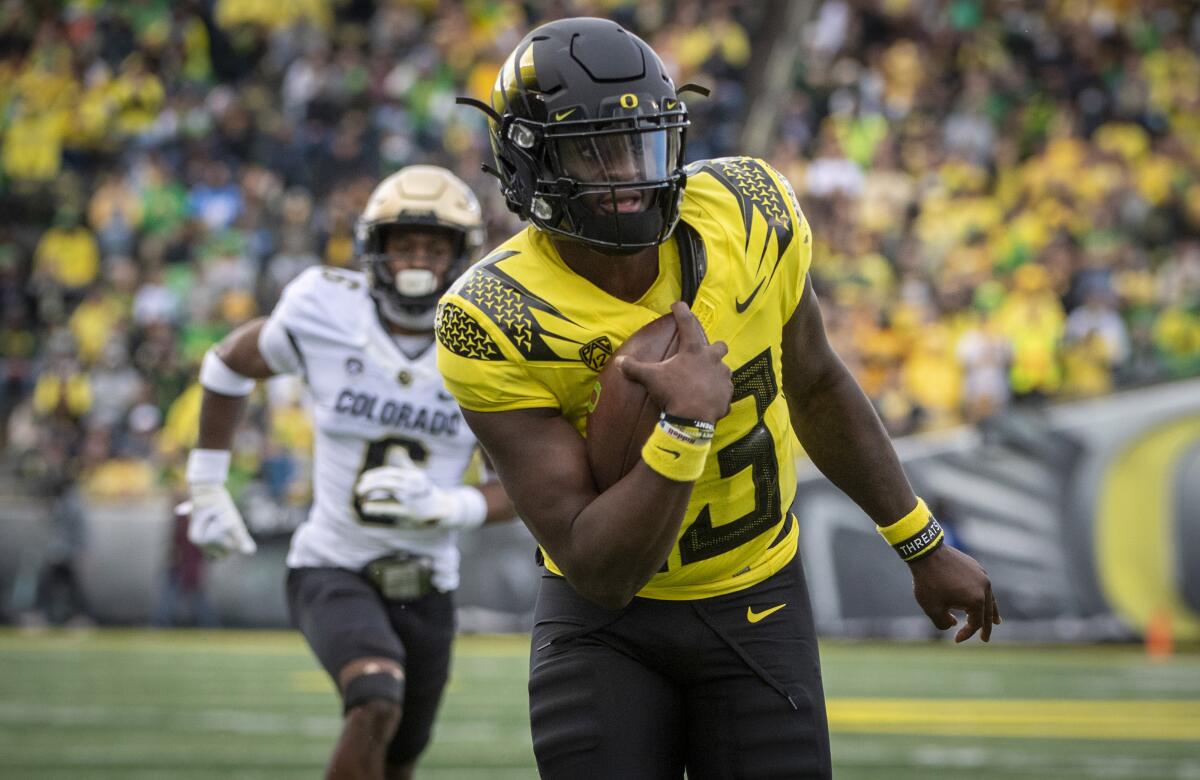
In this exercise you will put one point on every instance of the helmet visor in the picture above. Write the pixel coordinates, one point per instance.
(624, 157)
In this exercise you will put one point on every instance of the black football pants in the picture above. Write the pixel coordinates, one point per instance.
(344, 618)
(724, 686)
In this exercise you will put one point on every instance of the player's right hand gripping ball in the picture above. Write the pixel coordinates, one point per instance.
(624, 414)
(216, 525)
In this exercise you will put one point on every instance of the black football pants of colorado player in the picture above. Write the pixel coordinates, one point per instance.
(728, 686)
(344, 618)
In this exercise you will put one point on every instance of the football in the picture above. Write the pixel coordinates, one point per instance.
(623, 415)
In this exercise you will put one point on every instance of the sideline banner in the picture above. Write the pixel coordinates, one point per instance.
(1086, 517)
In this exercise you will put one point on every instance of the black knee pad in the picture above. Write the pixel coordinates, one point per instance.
(370, 687)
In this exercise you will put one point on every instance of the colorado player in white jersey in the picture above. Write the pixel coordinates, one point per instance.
(372, 572)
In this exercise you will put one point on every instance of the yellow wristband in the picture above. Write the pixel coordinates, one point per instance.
(674, 458)
(916, 534)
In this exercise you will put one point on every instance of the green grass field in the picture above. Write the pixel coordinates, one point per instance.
(135, 704)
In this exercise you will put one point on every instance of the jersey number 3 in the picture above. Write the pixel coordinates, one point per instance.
(757, 450)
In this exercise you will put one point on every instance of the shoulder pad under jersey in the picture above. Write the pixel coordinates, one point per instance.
(326, 303)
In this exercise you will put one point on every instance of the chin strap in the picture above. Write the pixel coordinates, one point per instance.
(395, 314)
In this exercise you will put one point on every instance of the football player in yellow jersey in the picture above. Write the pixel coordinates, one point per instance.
(673, 629)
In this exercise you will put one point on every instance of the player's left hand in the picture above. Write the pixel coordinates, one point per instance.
(948, 579)
(404, 495)
(214, 523)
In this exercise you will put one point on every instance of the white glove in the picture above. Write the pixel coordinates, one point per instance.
(216, 525)
(404, 495)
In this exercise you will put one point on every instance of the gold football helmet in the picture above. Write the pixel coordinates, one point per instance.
(426, 198)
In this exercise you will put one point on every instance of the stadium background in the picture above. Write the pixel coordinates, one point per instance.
(1006, 207)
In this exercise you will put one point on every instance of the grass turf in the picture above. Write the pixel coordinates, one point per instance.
(138, 704)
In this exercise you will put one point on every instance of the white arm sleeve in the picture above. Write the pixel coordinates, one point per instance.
(279, 349)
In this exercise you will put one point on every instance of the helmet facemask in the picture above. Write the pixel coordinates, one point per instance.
(408, 297)
(625, 185)
(613, 184)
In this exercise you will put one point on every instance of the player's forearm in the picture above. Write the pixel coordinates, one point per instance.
(609, 544)
(621, 539)
(499, 507)
(230, 367)
(843, 435)
(219, 417)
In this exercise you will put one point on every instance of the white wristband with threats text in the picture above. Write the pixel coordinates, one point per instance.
(220, 378)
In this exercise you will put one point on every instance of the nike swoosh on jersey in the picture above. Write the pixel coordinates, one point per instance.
(741, 306)
(669, 452)
(754, 617)
(561, 115)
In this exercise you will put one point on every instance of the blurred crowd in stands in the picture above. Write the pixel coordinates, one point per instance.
(1005, 196)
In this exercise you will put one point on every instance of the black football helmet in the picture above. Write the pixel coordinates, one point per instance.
(588, 132)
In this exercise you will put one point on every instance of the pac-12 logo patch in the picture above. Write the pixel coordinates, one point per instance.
(354, 366)
(596, 352)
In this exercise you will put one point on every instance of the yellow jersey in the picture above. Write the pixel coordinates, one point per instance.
(521, 330)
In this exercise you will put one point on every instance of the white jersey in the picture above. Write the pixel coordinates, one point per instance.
(369, 399)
